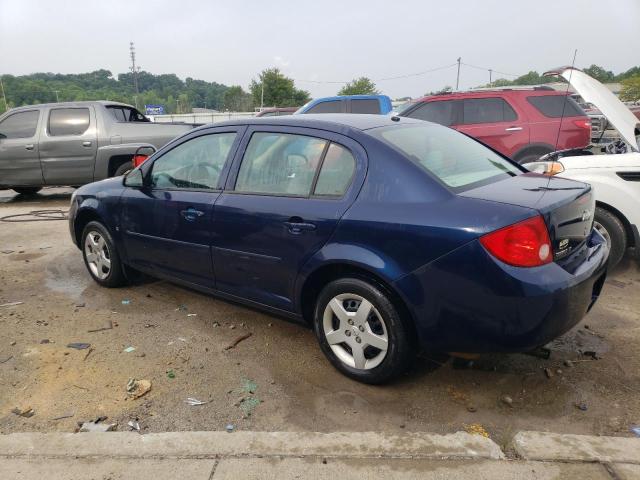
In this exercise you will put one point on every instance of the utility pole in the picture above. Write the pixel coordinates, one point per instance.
(490, 73)
(4, 97)
(134, 70)
(262, 94)
(458, 76)
(57, 99)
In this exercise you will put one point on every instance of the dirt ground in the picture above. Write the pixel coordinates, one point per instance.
(277, 379)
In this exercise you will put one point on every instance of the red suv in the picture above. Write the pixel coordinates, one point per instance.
(519, 123)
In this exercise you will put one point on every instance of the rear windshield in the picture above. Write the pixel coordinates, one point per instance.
(458, 161)
(551, 106)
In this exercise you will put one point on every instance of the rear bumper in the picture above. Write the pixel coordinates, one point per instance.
(468, 301)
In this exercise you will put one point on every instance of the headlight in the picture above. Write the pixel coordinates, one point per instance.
(546, 168)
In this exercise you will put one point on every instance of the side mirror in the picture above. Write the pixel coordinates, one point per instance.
(134, 179)
(2, 135)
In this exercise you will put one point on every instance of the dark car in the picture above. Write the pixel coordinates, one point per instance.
(521, 123)
(386, 234)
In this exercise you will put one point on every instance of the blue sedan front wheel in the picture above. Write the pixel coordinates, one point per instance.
(361, 332)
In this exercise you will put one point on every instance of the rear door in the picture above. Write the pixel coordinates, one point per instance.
(493, 121)
(167, 224)
(281, 204)
(68, 145)
(19, 159)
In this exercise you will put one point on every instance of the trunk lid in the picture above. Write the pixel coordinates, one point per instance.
(567, 206)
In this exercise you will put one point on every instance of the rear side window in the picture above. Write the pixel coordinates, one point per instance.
(456, 160)
(551, 106)
(20, 125)
(442, 112)
(326, 107)
(336, 173)
(194, 164)
(365, 105)
(68, 121)
(487, 110)
(280, 164)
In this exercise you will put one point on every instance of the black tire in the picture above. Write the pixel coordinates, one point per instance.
(26, 190)
(612, 228)
(399, 353)
(115, 276)
(122, 169)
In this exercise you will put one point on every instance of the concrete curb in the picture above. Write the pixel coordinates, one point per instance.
(249, 444)
(554, 447)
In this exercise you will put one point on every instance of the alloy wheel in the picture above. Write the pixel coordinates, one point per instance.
(355, 331)
(96, 252)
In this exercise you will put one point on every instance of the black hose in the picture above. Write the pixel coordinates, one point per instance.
(37, 216)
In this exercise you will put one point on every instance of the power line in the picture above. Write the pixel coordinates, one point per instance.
(489, 70)
(424, 72)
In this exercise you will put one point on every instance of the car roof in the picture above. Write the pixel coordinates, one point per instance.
(493, 92)
(86, 103)
(335, 122)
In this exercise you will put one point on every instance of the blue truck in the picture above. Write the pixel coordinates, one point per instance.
(376, 104)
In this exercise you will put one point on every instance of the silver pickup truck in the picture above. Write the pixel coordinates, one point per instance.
(74, 143)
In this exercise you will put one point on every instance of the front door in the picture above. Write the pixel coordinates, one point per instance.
(19, 159)
(68, 146)
(282, 202)
(166, 225)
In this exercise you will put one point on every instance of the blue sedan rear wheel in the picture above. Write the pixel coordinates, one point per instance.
(361, 332)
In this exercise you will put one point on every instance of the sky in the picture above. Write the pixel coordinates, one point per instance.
(230, 42)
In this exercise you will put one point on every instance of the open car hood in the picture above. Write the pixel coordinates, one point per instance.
(592, 91)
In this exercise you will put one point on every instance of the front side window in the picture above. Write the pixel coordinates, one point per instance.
(280, 164)
(487, 110)
(456, 160)
(334, 106)
(68, 121)
(336, 173)
(195, 164)
(20, 125)
(442, 112)
(365, 105)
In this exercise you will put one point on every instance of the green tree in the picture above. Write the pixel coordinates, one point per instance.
(630, 89)
(279, 90)
(237, 100)
(599, 73)
(359, 86)
(443, 90)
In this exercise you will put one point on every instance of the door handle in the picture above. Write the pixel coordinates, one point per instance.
(31, 146)
(191, 214)
(296, 228)
(86, 144)
(513, 129)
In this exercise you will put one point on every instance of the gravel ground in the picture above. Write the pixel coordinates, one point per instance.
(277, 379)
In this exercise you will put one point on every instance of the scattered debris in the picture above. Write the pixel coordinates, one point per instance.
(7, 252)
(476, 429)
(126, 302)
(11, 304)
(548, 372)
(138, 388)
(592, 354)
(194, 401)
(108, 326)
(81, 388)
(79, 305)
(471, 408)
(230, 427)
(134, 425)
(249, 386)
(232, 327)
(88, 353)
(171, 374)
(45, 247)
(182, 339)
(150, 325)
(129, 349)
(636, 430)
(192, 314)
(216, 324)
(507, 400)
(45, 341)
(64, 415)
(97, 426)
(181, 308)
(235, 343)
(568, 363)
(581, 406)
(13, 343)
(5, 360)
(26, 412)
(79, 346)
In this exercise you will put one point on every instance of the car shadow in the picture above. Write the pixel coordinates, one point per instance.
(44, 195)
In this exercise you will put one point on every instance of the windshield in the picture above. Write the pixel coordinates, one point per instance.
(456, 160)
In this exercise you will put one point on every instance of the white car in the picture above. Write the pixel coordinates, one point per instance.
(615, 177)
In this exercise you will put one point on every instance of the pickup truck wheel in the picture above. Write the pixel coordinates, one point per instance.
(26, 190)
(122, 169)
(612, 229)
(101, 257)
(361, 331)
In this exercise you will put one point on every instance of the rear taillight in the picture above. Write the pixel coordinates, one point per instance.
(523, 244)
(138, 159)
(582, 123)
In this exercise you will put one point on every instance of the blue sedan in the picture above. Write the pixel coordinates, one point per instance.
(386, 235)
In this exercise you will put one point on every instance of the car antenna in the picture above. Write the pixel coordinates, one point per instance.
(564, 103)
